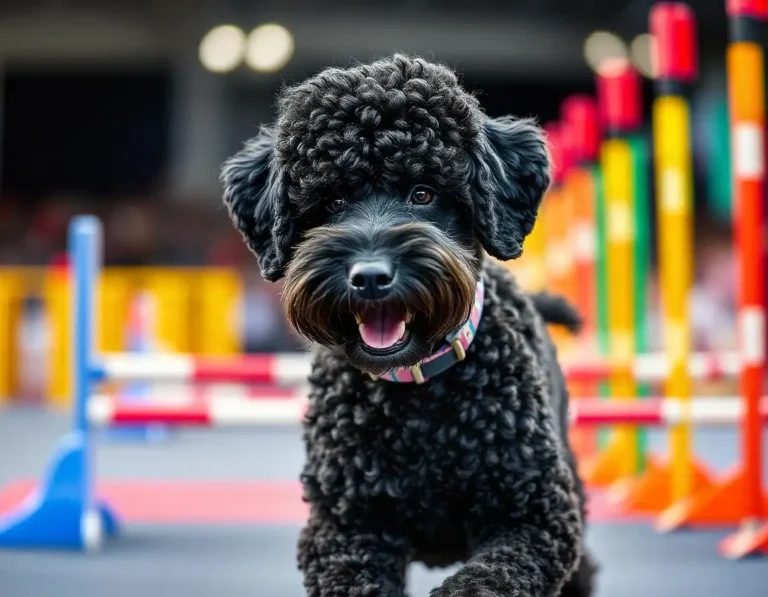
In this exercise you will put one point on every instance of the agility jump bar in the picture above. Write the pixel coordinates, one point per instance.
(292, 369)
(274, 369)
(661, 412)
(214, 412)
(242, 412)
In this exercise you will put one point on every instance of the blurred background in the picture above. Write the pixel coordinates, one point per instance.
(126, 109)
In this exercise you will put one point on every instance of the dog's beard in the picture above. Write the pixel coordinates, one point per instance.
(434, 290)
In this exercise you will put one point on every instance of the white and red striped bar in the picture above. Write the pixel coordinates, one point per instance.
(216, 412)
(275, 369)
(293, 369)
(237, 411)
(660, 412)
(654, 367)
(161, 393)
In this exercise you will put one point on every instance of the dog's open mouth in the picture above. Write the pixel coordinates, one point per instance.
(383, 329)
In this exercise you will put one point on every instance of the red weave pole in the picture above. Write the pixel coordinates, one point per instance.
(746, 100)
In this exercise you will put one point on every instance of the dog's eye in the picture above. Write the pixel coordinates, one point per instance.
(336, 205)
(422, 196)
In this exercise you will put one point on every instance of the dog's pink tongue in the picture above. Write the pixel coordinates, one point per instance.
(379, 329)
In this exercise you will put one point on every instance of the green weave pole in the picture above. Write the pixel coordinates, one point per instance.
(640, 169)
(601, 322)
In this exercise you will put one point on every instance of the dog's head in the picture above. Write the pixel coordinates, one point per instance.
(374, 195)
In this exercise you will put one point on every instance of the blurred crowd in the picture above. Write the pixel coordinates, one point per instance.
(138, 231)
(151, 231)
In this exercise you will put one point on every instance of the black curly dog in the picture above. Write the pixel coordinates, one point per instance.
(376, 195)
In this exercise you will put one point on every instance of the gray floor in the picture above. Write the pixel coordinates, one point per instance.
(233, 562)
(171, 561)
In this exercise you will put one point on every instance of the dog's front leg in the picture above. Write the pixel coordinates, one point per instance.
(526, 552)
(348, 561)
(521, 562)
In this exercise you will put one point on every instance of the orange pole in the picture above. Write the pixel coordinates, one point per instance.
(581, 140)
(558, 259)
(580, 115)
(746, 98)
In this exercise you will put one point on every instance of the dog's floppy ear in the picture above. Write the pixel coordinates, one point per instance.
(257, 201)
(511, 173)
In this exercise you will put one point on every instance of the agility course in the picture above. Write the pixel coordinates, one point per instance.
(599, 210)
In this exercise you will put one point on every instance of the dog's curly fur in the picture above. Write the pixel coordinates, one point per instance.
(474, 465)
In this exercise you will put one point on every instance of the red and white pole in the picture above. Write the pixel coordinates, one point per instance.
(746, 98)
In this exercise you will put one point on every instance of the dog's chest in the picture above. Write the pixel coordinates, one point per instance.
(417, 468)
(412, 457)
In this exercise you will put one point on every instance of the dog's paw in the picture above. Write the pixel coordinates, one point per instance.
(475, 580)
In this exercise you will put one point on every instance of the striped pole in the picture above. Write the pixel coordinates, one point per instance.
(601, 298)
(662, 412)
(579, 116)
(569, 212)
(269, 369)
(222, 410)
(641, 214)
(673, 27)
(579, 112)
(619, 97)
(558, 258)
(291, 369)
(746, 97)
(654, 368)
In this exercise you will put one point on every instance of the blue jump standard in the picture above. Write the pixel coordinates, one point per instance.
(54, 516)
(64, 512)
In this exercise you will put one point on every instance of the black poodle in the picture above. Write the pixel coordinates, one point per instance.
(437, 426)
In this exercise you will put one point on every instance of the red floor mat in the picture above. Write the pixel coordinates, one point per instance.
(215, 502)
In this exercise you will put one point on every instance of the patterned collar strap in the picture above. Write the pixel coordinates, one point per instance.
(450, 353)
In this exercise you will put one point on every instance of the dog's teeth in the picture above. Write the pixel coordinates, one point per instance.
(408, 317)
(358, 320)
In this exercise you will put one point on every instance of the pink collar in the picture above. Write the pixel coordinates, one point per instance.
(450, 353)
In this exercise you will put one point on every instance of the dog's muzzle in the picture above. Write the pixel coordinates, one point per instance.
(452, 352)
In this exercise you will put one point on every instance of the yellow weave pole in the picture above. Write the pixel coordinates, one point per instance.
(115, 287)
(218, 306)
(673, 172)
(11, 290)
(530, 268)
(672, 27)
(58, 297)
(617, 166)
(171, 289)
(537, 264)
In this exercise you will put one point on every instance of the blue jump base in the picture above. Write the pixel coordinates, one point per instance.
(56, 515)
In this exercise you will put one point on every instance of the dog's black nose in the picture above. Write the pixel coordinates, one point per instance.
(372, 279)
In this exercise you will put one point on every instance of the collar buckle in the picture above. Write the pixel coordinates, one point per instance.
(458, 349)
(418, 374)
